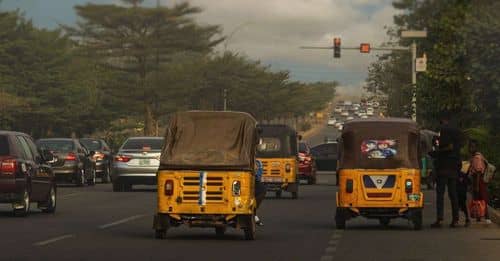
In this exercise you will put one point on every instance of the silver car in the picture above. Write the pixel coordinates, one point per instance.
(136, 163)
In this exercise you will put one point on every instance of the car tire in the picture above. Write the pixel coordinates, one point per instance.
(250, 228)
(340, 218)
(220, 231)
(80, 178)
(50, 205)
(417, 219)
(25, 205)
(106, 175)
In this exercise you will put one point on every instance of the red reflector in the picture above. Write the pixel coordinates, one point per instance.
(71, 157)
(122, 158)
(169, 187)
(8, 167)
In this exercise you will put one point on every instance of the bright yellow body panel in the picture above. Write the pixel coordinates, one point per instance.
(275, 170)
(390, 197)
(219, 194)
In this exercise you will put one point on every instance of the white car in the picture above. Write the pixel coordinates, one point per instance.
(376, 104)
(364, 117)
(331, 122)
(345, 113)
(370, 111)
(348, 103)
(350, 118)
(337, 124)
(341, 126)
(338, 109)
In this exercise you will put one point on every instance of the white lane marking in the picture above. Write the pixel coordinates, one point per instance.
(336, 236)
(330, 250)
(333, 242)
(53, 240)
(332, 245)
(121, 221)
(70, 195)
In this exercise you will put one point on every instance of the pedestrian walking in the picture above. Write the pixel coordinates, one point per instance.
(477, 170)
(447, 164)
(260, 189)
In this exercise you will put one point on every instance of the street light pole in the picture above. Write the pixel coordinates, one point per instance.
(414, 80)
(413, 48)
(225, 99)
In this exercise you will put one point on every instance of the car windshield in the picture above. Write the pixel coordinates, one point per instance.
(269, 145)
(91, 144)
(143, 144)
(57, 145)
(4, 146)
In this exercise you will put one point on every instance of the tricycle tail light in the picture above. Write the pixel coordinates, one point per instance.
(288, 167)
(409, 186)
(169, 187)
(236, 188)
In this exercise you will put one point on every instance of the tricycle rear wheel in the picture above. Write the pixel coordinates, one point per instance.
(250, 228)
(220, 231)
(340, 218)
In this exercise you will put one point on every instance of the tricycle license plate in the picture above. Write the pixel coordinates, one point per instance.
(413, 197)
(271, 179)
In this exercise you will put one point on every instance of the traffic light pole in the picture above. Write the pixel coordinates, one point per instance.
(412, 49)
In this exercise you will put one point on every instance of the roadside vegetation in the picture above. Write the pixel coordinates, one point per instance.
(462, 50)
(124, 68)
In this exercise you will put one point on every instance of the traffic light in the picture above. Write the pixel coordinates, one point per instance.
(336, 47)
(364, 48)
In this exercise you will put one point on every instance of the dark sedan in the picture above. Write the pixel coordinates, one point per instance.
(74, 163)
(102, 157)
(25, 174)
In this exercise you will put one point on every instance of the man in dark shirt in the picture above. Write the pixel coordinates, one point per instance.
(448, 165)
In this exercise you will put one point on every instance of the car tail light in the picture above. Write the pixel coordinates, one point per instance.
(70, 157)
(349, 186)
(236, 188)
(123, 158)
(169, 187)
(409, 186)
(288, 167)
(8, 167)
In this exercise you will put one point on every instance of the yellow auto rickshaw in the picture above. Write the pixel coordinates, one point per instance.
(277, 150)
(207, 170)
(379, 172)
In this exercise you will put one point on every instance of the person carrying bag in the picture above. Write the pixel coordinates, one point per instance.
(478, 172)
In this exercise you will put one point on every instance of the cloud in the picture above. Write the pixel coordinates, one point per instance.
(273, 31)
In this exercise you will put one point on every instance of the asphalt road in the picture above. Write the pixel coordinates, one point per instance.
(93, 223)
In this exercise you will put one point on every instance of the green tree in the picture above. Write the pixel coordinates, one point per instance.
(138, 40)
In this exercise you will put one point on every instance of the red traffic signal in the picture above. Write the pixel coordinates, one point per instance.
(336, 47)
(364, 48)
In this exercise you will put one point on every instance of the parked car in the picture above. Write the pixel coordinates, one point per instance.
(136, 163)
(307, 165)
(345, 114)
(338, 109)
(370, 111)
(325, 156)
(350, 118)
(74, 163)
(25, 174)
(103, 157)
(331, 121)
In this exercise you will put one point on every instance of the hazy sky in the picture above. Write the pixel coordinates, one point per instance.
(271, 30)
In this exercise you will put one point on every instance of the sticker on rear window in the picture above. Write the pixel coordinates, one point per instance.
(379, 149)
